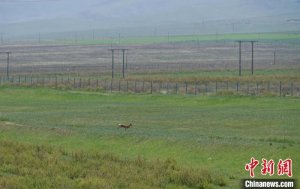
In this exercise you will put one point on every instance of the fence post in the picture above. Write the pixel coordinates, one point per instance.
(97, 83)
(143, 86)
(89, 82)
(74, 82)
(119, 85)
(151, 85)
(80, 83)
(268, 87)
(280, 88)
(135, 86)
(237, 87)
(292, 89)
(247, 87)
(19, 79)
(111, 85)
(195, 88)
(186, 87)
(216, 87)
(257, 91)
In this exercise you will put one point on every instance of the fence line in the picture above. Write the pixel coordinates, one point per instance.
(184, 88)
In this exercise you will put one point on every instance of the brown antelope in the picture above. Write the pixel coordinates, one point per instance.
(125, 126)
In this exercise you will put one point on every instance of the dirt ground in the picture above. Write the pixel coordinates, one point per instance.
(34, 59)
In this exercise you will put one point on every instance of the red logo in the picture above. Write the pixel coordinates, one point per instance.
(251, 166)
(268, 167)
(284, 167)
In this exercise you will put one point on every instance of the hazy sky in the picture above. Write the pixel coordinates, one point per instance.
(54, 15)
(154, 10)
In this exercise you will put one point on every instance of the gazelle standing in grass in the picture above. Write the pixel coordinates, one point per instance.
(125, 126)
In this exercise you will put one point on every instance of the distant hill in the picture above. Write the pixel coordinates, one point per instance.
(140, 17)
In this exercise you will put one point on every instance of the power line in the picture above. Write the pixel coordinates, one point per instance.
(7, 63)
(240, 56)
(113, 61)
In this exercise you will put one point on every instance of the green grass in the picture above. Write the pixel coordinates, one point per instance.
(215, 133)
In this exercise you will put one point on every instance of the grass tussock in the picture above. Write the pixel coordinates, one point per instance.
(42, 166)
(4, 119)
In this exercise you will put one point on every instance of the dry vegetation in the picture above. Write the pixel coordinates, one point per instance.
(41, 166)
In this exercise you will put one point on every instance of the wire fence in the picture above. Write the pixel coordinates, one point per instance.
(154, 87)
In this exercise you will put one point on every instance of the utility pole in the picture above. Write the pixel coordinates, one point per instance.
(240, 58)
(112, 63)
(123, 74)
(126, 62)
(7, 68)
(7, 63)
(252, 43)
(274, 58)
(252, 59)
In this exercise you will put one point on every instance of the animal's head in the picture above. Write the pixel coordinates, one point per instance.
(130, 125)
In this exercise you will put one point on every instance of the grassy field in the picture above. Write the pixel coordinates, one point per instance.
(72, 137)
(185, 38)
